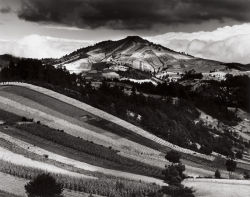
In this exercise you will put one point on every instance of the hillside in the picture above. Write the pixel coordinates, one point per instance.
(83, 142)
(137, 53)
(138, 60)
(95, 134)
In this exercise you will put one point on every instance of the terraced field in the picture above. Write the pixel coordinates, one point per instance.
(71, 138)
(85, 121)
(116, 135)
(28, 108)
(28, 150)
(18, 159)
(117, 162)
(75, 115)
(103, 115)
(76, 158)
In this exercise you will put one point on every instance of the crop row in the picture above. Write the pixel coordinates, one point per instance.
(111, 187)
(96, 154)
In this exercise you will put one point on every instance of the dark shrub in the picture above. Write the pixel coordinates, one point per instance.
(173, 156)
(239, 155)
(246, 175)
(206, 150)
(44, 185)
(174, 174)
(217, 174)
(231, 166)
(175, 191)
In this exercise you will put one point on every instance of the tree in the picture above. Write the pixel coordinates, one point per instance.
(239, 155)
(246, 175)
(174, 173)
(44, 185)
(206, 149)
(173, 156)
(173, 176)
(231, 166)
(217, 174)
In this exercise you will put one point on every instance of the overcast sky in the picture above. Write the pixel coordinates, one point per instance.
(215, 29)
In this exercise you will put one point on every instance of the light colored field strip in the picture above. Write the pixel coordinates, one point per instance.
(18, 159)
(108, 117)
(222, 181)
(12, 185)
(43, 107)
(121, 144)
(75, 163)
(219, 188)
(40, 151)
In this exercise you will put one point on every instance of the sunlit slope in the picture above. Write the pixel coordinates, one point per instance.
(136, 53)
(83, 121)
(49, 105)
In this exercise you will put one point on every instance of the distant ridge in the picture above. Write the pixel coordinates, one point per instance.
(137, 53)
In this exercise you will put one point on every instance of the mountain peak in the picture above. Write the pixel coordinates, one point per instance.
(135, 39)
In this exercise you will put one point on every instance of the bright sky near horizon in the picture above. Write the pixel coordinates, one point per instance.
(214, 29)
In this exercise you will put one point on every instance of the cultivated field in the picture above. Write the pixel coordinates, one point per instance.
(27, 108)
(106, 186)
(77, 164)
(6, 155)
(77, 126)
(219, 188)
(11, 186)
(75, 115)
(95, 149)
(108, 117)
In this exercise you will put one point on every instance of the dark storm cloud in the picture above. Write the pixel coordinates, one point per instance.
(132, 14)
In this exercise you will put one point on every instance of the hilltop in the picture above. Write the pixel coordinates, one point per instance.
(136, 53)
